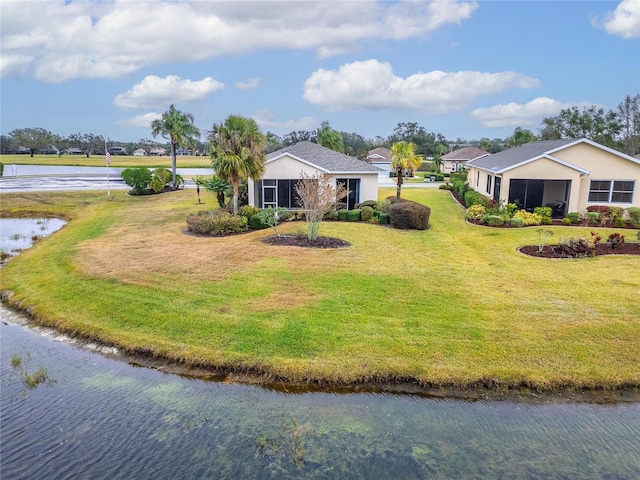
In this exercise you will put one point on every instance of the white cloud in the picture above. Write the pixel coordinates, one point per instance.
(372, 85)
(517, 115)
(113, 39)
(623, 21)
(155, 91)
(265, 120)
(143, 120)
(248, 84)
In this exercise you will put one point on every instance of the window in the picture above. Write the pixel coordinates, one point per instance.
(278, 193)
(478, 178)
(453, 166)
(489, 177)
(353, 185)
(611, 191)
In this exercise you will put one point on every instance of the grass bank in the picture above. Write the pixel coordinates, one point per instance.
(117, 161)
(455, 305)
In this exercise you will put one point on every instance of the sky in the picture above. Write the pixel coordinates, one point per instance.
(466, 69)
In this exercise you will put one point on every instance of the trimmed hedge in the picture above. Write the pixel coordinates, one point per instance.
(366, 213)
(495, 220)
(517, 222)
(216, 223)
(342, 215)
(366, 203)
(384, 218)
(353, 215)
(406, 214)
(255, 222)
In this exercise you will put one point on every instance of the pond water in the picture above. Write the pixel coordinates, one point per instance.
(16, 234)
(92, 415)
(98, 417)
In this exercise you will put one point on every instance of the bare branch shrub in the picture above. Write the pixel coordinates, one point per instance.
(318, 196)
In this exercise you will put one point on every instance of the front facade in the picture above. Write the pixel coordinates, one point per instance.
(568, 175)
(457, 160)
(285, 167)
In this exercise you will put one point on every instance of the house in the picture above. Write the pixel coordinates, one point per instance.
(457, 160)
(283, 170)
(157, 151)
(569, 174)
(75, 151)
(117, 151)
(380, 157)
(140, 152)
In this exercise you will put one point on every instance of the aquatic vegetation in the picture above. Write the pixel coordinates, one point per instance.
(30, 380)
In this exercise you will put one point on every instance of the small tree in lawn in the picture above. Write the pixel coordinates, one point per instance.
(271, 216)
(403, 157)
(318, 196)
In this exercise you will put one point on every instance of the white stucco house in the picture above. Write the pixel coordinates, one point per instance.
(284, 167)
(457, 160)
(380, 157)
(569, 174)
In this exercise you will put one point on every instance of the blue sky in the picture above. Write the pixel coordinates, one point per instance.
(467, 69)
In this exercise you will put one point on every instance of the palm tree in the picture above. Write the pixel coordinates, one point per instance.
(237, 151)
(520, 137)
(178, 128)
(403, 157)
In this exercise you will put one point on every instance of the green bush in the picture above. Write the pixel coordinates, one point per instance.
(248, 211)
(330, 215)
(619, 222)
(366, 213)
(495, 220)
(592, 218)
(409, 215)
(384, 218)
(137, 178)
(517, 222)
(256, 222)
(574, 217)
(1, 169)
(566, 221)
(460, 187)
(476, 212)
(471, 197)
(634, 216)
(217, 223)
(160, 177)
(382, 205)
(546, 221)
(366, 203)
(353, 215)
(528, 218)
(543, 211)
(342, 214)
(439, 177)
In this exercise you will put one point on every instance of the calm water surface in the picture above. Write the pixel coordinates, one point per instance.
(101, 418)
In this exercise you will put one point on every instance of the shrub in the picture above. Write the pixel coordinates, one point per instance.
(495, 220)
(543, 237)
(460, 187)
(543, 211)
(366, 213)
(366, 203)
(546, 221)
(1, 169)
(566, 221)
(382, 205)
(574, 217)
(471, 197)
(576, 248)
(475, 212)
(634, 216)
(384, 219)
(353, 215)
(160, 177)
(248, 211)
(330, 215)
(439, 177)
(374, 220)
(528, 218)
(517, 222)
(342, 214)
(137, 178)
(256, 222)
(446, 186)
(599, 209)
(216, 223)
(409, 215)
(592, 218)
(619, 222)
(614, 240)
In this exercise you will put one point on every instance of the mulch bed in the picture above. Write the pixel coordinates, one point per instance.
(601, 249)
(302, 241)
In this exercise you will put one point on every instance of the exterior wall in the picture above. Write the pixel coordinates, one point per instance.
(446, 165)
(480, 184)
(603, 166)
(289, 168)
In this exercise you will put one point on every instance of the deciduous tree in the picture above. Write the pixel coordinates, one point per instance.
(330, 138)
(318, 194)
(32, 138)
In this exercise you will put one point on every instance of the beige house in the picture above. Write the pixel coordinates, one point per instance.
(568, 175)
(380, 157)
(457, 160)
(284, 167)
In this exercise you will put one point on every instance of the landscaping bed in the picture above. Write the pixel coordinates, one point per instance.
(303, 241)
(548, 251)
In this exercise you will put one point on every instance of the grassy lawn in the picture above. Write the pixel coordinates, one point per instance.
(453, 305)
(117, 161)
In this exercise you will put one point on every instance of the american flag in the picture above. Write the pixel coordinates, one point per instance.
(106, 152)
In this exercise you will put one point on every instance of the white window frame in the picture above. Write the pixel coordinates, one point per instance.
(611, 191)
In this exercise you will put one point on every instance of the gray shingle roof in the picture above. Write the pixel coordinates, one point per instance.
(330, 160)
(516, 155)
(467, 153)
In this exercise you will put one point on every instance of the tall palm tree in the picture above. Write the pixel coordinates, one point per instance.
(178, 128)
(237, 151)
(403, 157)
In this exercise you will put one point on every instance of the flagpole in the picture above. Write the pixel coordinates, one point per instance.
(108, 158)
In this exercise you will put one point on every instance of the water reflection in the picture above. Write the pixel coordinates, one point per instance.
(102, 418)
(17, 234)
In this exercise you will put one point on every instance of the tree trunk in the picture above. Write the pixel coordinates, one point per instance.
(399, 184)
(236, 188)
(174, 162)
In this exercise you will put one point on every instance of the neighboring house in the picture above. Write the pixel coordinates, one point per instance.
(75, 151)
(157, 151)
(117, 151)
(569, 175)
(140, 152)
(380, 157)
(457, 160)
(283, 170)
(184, 151)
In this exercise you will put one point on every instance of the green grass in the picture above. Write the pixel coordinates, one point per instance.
(117, 161)
(454, 305)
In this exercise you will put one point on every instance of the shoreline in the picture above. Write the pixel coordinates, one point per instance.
(480, 390)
